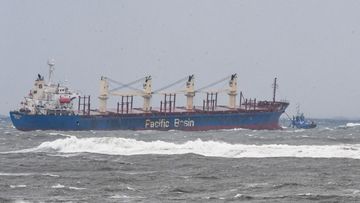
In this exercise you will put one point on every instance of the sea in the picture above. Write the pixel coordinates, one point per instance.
(238, 165)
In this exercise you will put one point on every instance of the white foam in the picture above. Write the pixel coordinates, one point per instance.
(352, 124)
(238, 195)
(130, 188)
(29, 174)
(51, 175)
(233, 129)
(293, 130)
(305, 194)
(61, 134)
(355, 192)
(15, 174)
(119, 197)
(57, 186)
(17, 186)
(77, 188)
(21, 201)
(60, 186)
(123, 146)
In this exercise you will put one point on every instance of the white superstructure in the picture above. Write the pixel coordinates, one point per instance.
(48, 98)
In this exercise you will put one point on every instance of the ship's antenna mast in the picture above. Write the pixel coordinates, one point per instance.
(51, 63)
(275, 86)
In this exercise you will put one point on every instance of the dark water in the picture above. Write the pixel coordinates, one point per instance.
(319, 165)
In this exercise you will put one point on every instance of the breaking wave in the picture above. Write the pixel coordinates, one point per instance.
(349, 125)
(352, 124)
(123, 146)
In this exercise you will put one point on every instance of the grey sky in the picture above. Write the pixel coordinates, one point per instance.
(311, 46)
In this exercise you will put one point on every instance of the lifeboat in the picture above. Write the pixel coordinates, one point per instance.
(64, 100)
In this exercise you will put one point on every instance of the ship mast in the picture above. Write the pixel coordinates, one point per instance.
(51, 63)
(275, 86)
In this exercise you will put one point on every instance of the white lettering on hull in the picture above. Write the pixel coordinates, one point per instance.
(183, 123)
(163, 123)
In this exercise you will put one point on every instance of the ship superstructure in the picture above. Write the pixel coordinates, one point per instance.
(48, 98)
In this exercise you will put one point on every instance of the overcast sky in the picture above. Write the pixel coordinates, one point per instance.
(313, 47)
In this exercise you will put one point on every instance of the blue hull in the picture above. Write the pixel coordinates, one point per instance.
(152, 121)
(304, 125)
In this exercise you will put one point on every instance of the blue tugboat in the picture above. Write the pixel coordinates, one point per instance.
(299, 121)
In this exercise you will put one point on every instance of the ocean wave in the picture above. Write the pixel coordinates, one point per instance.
(348, 125)
(118, 196)
(16, 174)
(243, 197)
(319, 197)
(234, 130)
(124, 146)
(59, 134)
(51, 175)
(352, 124)
(17, 186)
(328, 129)
(29, 174)
(294, 130)
(77, 188)
(58, 186)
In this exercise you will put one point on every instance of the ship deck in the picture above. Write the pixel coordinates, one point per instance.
(197, 109)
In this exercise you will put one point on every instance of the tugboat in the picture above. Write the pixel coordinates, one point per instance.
(299, 121)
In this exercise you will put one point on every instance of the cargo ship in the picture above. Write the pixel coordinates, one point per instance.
(53, 106)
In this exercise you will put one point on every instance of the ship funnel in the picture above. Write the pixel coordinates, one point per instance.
(104, 94)
(147, 93)
(232, 91)
(190, 92)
